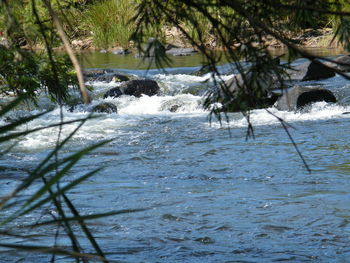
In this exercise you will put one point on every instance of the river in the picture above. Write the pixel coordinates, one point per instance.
(210, 195)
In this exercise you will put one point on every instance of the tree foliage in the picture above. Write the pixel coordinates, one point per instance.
(243, 29)
(33, 70)
(24, 74)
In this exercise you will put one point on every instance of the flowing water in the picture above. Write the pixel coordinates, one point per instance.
(210, 195)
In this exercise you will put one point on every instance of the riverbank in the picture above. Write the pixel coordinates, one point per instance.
(308, 38)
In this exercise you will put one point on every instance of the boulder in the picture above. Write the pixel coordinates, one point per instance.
(317, 70)
(73, 102)
(344, 61)
(172, 105)
(174, 108)
(181, 51)
(310, 71)
(235, 96)
(104, 75)
(138, 87)
(93, 73)
(135, 88)
(114, 92)
(298, 97)
(112, 77)
(104, 107)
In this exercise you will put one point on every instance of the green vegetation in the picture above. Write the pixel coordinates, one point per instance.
(50, 171)
(239, 26)
(24, 72)
(242, 28)
(109, 22)
(23, 75)
(26, 14)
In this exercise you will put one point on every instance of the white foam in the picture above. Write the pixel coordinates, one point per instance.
(318, 111)
(178, 82)
(145, 105)
(184, 78)
(102, 84)
(106, 127)
(131, 111)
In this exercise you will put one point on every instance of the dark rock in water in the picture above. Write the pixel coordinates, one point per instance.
(138, 87)
(135, 88)
(174, 108)
(120, 78)
(310, 71)
(104, 75)
(317, 70)
(181, 51)
(343, 60)
(93, 73)
(176, 104)
(235, 96)
(120, 51)
(312, 96)
(297, 73)
(105, 107)
(73, 101)
(103, 78)
(298, 97)
(114, 92)
(112, 77)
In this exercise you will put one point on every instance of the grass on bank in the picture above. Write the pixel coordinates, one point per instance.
(108, 22)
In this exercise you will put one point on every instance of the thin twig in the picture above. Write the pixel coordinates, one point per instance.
(71, 54)
(285, 127)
